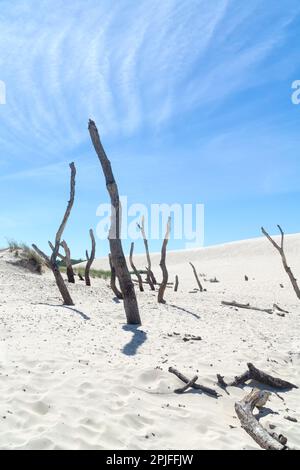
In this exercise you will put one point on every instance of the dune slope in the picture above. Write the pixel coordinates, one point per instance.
(80, 378)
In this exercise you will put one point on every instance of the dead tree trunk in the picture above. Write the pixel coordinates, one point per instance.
(52, 261)
(70, 272)
(163, 285)
(90, 259)
(66, 259)
(113, 285)
(139, 277)
(176, 283)
(197, 278)
(149, 279)
(149, 270)
(117, 254)
(280, 249)
(244, 410)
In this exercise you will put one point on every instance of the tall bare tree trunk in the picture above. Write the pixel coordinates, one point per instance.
(116, 249)
(163, 285)
(149, 270)
(280, 249)
(139, 277)
(52, 261)
(90, 259)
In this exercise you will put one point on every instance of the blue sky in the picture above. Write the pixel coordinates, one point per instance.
(192, 100)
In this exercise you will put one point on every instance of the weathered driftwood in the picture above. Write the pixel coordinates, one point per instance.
(233, 303)
(90, 259)
(197, 278)
(113, 285)
(260, 376)
(207, 390)
(176, 284)
(116, 249)
(162, 287)
(139, 277)
(188, 385)
(280, 249)
(52, 260)
(244, 410)
(151, 276)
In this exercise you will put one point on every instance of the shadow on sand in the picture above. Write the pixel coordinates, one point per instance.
(83, 315)
(185, 310)
(138, 338)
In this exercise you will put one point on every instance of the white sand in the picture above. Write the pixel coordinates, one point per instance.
(79, 378)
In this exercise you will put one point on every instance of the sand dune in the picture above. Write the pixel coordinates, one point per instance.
(80, 378)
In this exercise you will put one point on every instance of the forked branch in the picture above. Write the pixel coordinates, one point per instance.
(280, 249)
(52, 260)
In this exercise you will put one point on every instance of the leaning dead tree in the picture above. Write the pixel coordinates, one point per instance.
(280, 250)
(52, 260)
(244, 410)
(90, 259)
(150, 276)
(66, 259)
(197, 278)
(163, 285)
(116, 249)
(139, 277)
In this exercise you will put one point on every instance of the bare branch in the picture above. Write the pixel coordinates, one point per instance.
(90, 259)
(283, 259)
(162, 287)
(197, 278)
(139, 277)
(113, 285)
(150, 273)
(209, 391)
(68, 262)
(66, 215)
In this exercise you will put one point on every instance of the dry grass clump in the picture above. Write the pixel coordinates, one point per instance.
(27, 258)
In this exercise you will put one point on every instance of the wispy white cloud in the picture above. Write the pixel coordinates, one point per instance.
(127, 64)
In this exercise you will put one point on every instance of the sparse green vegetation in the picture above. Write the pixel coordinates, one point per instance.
(94, 273)
(27, 258)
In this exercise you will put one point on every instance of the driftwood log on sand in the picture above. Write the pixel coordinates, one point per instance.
(192, 383)
(244, 410)
(260, 376)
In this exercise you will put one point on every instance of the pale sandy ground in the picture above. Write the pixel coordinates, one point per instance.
(80, 378)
